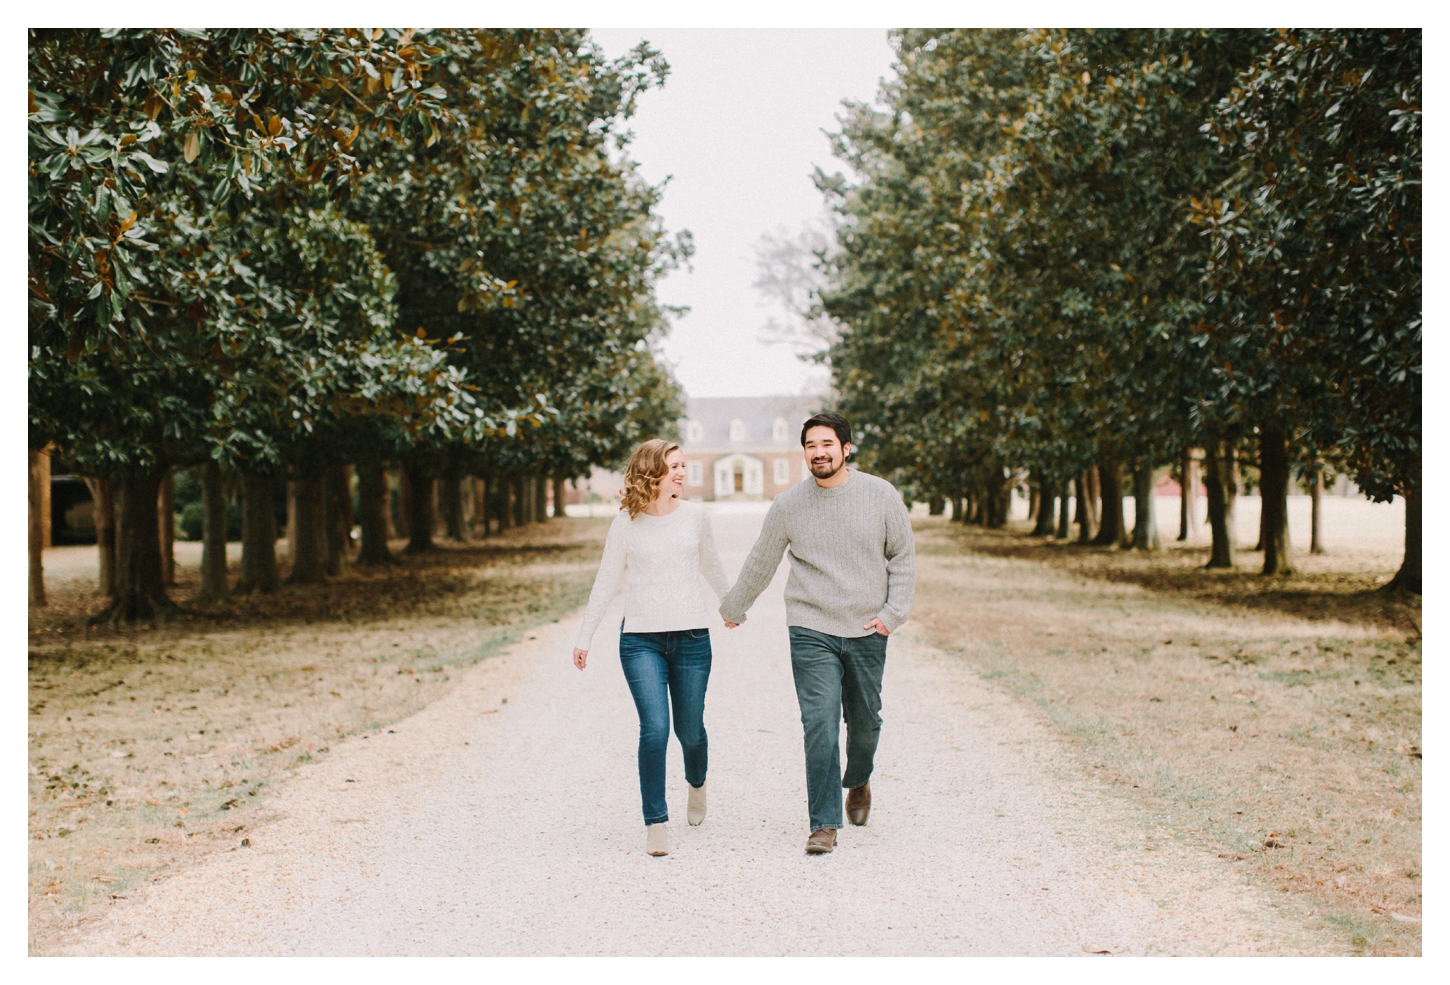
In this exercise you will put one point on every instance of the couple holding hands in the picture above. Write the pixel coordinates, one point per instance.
(851, 582)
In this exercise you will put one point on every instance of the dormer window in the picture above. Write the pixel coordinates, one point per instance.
(780, 431)
(694, 431)
(737, 430)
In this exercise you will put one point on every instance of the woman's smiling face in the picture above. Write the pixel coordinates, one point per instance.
(674, 481)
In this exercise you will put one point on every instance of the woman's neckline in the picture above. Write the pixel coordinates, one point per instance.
(661, 516)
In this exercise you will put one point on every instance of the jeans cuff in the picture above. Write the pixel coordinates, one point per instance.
(663, 820)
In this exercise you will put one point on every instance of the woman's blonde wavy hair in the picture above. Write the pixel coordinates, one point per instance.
(643, 475)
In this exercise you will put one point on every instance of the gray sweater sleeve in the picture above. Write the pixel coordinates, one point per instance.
(759, 567)
(900, 565)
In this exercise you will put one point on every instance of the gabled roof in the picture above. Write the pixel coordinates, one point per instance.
(757, 417)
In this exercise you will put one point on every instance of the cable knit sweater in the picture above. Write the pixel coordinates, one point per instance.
(662, 562)
(852, 557)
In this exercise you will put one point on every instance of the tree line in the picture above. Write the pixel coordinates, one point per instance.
(1085, 255)
(280, 255)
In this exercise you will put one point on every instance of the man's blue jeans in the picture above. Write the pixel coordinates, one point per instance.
(664, 669)
(836, 675)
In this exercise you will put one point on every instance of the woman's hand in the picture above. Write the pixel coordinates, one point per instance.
(580, 657)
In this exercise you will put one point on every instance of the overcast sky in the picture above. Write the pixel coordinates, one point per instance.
(738, 126)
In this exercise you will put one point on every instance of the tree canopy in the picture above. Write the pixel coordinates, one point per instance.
(1079, 250)
(280, 249)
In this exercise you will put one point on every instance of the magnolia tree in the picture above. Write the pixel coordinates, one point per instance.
(1021, 282)
(285, 251)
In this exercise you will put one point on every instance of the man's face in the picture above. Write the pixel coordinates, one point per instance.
(825, 456)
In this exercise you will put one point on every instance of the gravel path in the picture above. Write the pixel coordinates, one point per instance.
(504, 819)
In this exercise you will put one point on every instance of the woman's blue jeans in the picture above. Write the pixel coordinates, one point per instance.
(665, 669)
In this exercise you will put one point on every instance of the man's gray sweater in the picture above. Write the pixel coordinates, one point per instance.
(852, 558)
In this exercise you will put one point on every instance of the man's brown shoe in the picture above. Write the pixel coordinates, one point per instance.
(858, 803)
(821, 841)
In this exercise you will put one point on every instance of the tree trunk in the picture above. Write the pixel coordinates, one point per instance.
(403, 524)
(480, 505)
(213, 534)
(561, 498)
(1046, 517)
(292, 522)
(1034, 500)
(1095, 497)
(140, 592)
(344, 492)
(259, 535)
(336, 524)
(996, 499)
(1064, 516)
(391, 484)
(166, 520)
(1216, 481)
(309, 529)
(527, 500)
(450, 497)
(541, 499)
(1274, 490)
(1231, 478)
(505, 504)
(373, 502)
(1112, 531)
(1188, 496)
(105, 514)
(1316, 493)
(38, 480)
(1087, 523)
(1145, 513)
(420, 517)
(1407, 579)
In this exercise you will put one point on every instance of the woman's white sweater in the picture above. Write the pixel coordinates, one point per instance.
(662, 563)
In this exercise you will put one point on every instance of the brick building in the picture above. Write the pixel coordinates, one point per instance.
(743, 448)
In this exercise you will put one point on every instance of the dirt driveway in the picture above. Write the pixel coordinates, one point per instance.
(503, 818)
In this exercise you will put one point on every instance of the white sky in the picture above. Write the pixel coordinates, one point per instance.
(738, 125)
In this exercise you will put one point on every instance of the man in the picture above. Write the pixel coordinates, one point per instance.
(852, 576)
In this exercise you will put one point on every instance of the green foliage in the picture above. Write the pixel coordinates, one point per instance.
(284, 248)
(1317, 254)
(1070, 247)
(193, 516)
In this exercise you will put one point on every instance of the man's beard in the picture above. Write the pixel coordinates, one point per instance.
(826, 469)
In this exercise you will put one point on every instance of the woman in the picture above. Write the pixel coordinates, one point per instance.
(660, 550)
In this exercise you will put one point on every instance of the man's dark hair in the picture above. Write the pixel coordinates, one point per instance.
(831, 420)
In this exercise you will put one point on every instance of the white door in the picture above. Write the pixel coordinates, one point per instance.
(724, 479)
(754, 477)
